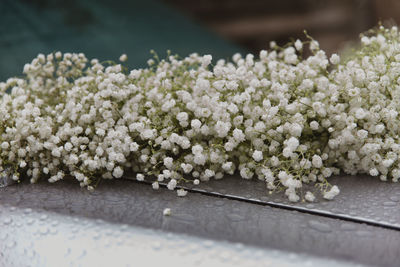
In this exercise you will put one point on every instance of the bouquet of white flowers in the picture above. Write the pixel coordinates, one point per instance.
(283, 118)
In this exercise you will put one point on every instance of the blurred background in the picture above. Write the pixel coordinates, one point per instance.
(107, 28)
(254, 23)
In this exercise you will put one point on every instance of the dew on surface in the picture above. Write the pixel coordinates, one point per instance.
(63, 237)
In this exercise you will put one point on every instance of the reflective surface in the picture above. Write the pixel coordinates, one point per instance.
(41, 238)
(362, 198)
(126, 202)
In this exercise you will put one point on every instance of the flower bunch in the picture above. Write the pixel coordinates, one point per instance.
(283, 118)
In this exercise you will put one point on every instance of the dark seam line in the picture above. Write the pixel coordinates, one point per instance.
(321, 213)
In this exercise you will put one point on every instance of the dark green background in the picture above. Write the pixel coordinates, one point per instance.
(103, 29)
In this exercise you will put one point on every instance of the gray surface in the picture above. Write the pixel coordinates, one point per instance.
(38, 238)
(127, 202)
(362, 198)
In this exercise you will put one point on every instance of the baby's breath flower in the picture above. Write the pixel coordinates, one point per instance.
(282, 118)
(167, 212)
(123, 58)
(181, 192)
(309, 196)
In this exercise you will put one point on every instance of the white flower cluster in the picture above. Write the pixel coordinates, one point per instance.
(282, 118)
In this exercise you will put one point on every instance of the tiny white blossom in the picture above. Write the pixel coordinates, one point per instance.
(139, 177)
(257, 155)
(309, 196)
(335, 59)
(334, 191)
(167, 212)
(155, 185)
(123, 58)
(181, 192)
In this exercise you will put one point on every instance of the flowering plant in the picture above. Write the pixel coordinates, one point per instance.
(283, 118)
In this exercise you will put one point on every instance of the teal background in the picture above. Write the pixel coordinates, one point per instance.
(103, 29)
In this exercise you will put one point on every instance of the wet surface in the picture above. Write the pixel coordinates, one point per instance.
(362, 198)
(41, 238)
(135, 204)
(44, 222)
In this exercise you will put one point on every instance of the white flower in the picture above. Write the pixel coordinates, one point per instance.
(222, 128)
(139, 177)
(195, 124)
(167, 212)
(314, 125)
(292, 143)
(147, 134)
(209, 173)
(206, 60)
(299, 45)
(123, 58)
(301, 116)
(182, 116)
(197, 149)
(334, 191)
(238, 135)
(257, 155)
(309, 196)
(360, 114)
(168, 162)
(118, 172)
(296, 130)
(246, 173)
(316, 161)
(335, 59)
(293, 197)
(181, 192)
(132, 147)
(171, 184)
(187, 168)
(155, 185)
(373, 172)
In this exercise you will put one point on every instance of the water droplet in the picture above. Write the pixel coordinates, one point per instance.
(43, 217)
(97, 235)
(208, 243)
(30, 221)
(3, 236)
(184, 217)
(67, 251)
(156, 245)
(219, 203)
(10, 244)
(225, 256)
(7, 221)
(363, 233)
(43, 230)
(235, 217)
(389, 204)
(395, 198)
(347, 227)
(83, 253)
(13, 208)
(319, 226)
(29, 253)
